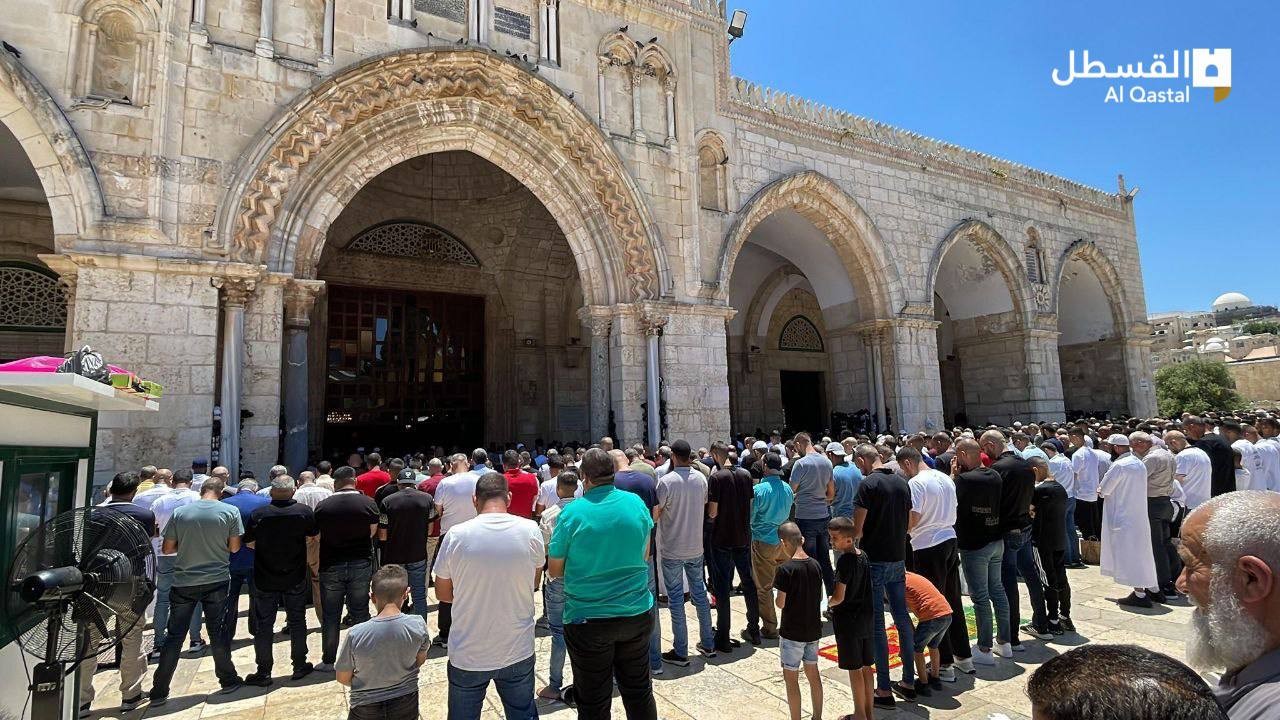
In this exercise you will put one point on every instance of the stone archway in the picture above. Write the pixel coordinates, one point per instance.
(441, 99)
(994, 247)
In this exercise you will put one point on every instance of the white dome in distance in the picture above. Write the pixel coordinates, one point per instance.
(1214, 344)
(1231, 301)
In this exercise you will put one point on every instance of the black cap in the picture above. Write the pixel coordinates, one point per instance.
(407, 476)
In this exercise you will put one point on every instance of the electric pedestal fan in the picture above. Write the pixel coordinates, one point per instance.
(77, 584)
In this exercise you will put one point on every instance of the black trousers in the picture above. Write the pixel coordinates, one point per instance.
(1057, 591)
(940, 564)
(602, 651)
(444, 610)
(264, 607)
(1160, 518)
(404, 707)
(1089, 519)
(724, 560)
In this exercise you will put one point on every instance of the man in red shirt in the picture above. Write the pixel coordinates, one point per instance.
(522, 485)
(374, 478)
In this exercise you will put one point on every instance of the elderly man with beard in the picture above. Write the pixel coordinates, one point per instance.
(1231, 555)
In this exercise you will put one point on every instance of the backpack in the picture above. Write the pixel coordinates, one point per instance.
(88, 363)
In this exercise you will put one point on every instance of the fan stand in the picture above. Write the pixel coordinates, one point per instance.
(47, 677)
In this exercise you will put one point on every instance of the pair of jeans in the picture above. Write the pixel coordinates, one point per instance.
(1020, 559)
(889, 581)
(765, 559)
(164, 582)
(1160, 519)
(940, 564)
(212, 598)
(674, 573)
(982, 575)
(655, 637)
(346, 582)
(418, 586)
(264, 605)
(931, 633)
(817, 545)
(404, 707)
(1073, 538)
(515, 687)
(612, 650)
(553, 596)
(728, 559)
(241, 580)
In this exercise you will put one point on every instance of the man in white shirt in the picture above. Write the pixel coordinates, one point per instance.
(1062, 472)
(455, 502)
(163, 508)
(1268, 452)
(1194, 469)
(310, 494)
(487, 567)
(324, 479)
(1250, 460)
(1085, 466)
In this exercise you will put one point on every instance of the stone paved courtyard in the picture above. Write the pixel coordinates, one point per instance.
(744, 686)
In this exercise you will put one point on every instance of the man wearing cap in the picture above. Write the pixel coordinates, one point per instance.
(1126, 535)
(1161, 469)
(846, 477)
(759, 449)
(1221, 459)
(407, 515)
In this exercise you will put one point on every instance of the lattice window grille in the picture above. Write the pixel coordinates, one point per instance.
(31, 300)
(800, 334)
(1035, 272)
(414, 240)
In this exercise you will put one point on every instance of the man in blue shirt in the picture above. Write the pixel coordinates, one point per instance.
(846, 476)
(246, 501)
(770, 507)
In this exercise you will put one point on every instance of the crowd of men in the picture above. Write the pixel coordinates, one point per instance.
(808, 531)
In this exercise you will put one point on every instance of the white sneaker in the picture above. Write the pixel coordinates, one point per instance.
(964, 665)
(1004, 650)
(982, 657)
(323, 667)
(947, 673)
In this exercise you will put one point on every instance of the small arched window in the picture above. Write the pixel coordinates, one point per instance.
(113, 42)
(800, 335)
(1034, 258)
(712, 173)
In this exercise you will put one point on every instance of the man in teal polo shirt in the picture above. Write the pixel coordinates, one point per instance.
(770, 508)
(601, 547)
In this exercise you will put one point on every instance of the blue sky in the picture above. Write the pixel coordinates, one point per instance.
(978, 74)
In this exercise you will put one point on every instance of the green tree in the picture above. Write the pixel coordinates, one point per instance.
(1261, 327)
(1195, 387)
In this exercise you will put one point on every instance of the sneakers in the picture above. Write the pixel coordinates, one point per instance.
(158, 700)
(965, 665)
(704, 651)
(656, 671)
(1004, 650)
(1055, 627)
(440, 641)
(1067, 625)
(1019, 648)
(935, 684)
(197, 647)
(1134, 601)
(132, 703)
(1157, 596)
(227, 689)
(324, 667)
(1040, 632)
(947, 673)
(302, 671)
(671, 657)
(982, 657)
(752, 637)
(258, 679)
(153, 656)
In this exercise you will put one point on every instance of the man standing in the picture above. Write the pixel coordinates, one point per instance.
(347, 521)
(430, 486)
(1231, 551)
(369, 482)
(324, 479)
(455, 501)
(1268, 455)
(1062, 473)
(163, 508)
(644, 486)
(133, 663)
(1269, 446)
(523, 485)
(1085, 465)
(882, 513)
(770, 507)
(682, 501)
(406, 516)
(1049, 502)
(981, 543)
(1017, 482)
(280, 577)
(1233, 432)
(600, 547)
(933, 545)
(1126, 535)
(1161, 469)
(812, 482)
(729, 495)
(245, 501)
(310, 494)
(486, 570)
(1221, 459)
(846, 476)
(1194, 469)
(200, 535)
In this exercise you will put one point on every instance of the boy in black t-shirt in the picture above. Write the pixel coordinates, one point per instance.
(799, 586)
(851, 616)
(1052, 615)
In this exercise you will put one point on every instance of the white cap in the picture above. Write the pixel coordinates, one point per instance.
(1118, 439)
(835, 448)
(759, 445)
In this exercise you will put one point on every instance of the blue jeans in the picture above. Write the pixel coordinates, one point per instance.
(889, 579)
(655, 637)
(240, 579)
(929, 633)
(1019, 559)
(418, 586)
(982, 574)
(553, 596)
(1073, 539)
(817, 545)
(674, 572)
(515, 688)
(164, 581)
(343, 582)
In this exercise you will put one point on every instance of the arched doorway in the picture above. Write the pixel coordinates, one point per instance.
(1091, 326)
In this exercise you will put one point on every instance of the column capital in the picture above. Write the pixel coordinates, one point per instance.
(299, 298)
(598, 319)
(235, 291)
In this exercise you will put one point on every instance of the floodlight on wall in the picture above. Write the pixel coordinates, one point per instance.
(737, 24)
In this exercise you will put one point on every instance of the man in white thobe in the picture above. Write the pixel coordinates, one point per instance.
(1126, 536)
(1268, 452)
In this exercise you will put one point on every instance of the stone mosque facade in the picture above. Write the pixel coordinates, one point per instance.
(408, 223)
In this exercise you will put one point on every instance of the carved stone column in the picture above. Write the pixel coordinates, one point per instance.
(669, 88)
(68, 283)
(652, 324)
(266, 30)
(299, 299)
(602, 66)
(600, 326)
(637, 76)
(235, 294)
(198, 27)
(326, 49)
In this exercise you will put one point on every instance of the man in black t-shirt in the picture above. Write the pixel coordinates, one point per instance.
(280, 577)
(729, 493)
(851, 615)
(881, 514)
(1016, 484)
(1049, 500)
(981, 544)
(799, 585)
(1222, 478)
(348, 520)
(406, 521)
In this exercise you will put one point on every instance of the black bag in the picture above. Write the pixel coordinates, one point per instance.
(88, 363)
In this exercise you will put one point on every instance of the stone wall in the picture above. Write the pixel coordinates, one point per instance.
(1090, 377)
(1257, 380)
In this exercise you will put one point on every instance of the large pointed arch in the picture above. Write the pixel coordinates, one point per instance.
(441, 99)
(1088, 252)
(51, 144)
(992, 245)
(838, 216)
